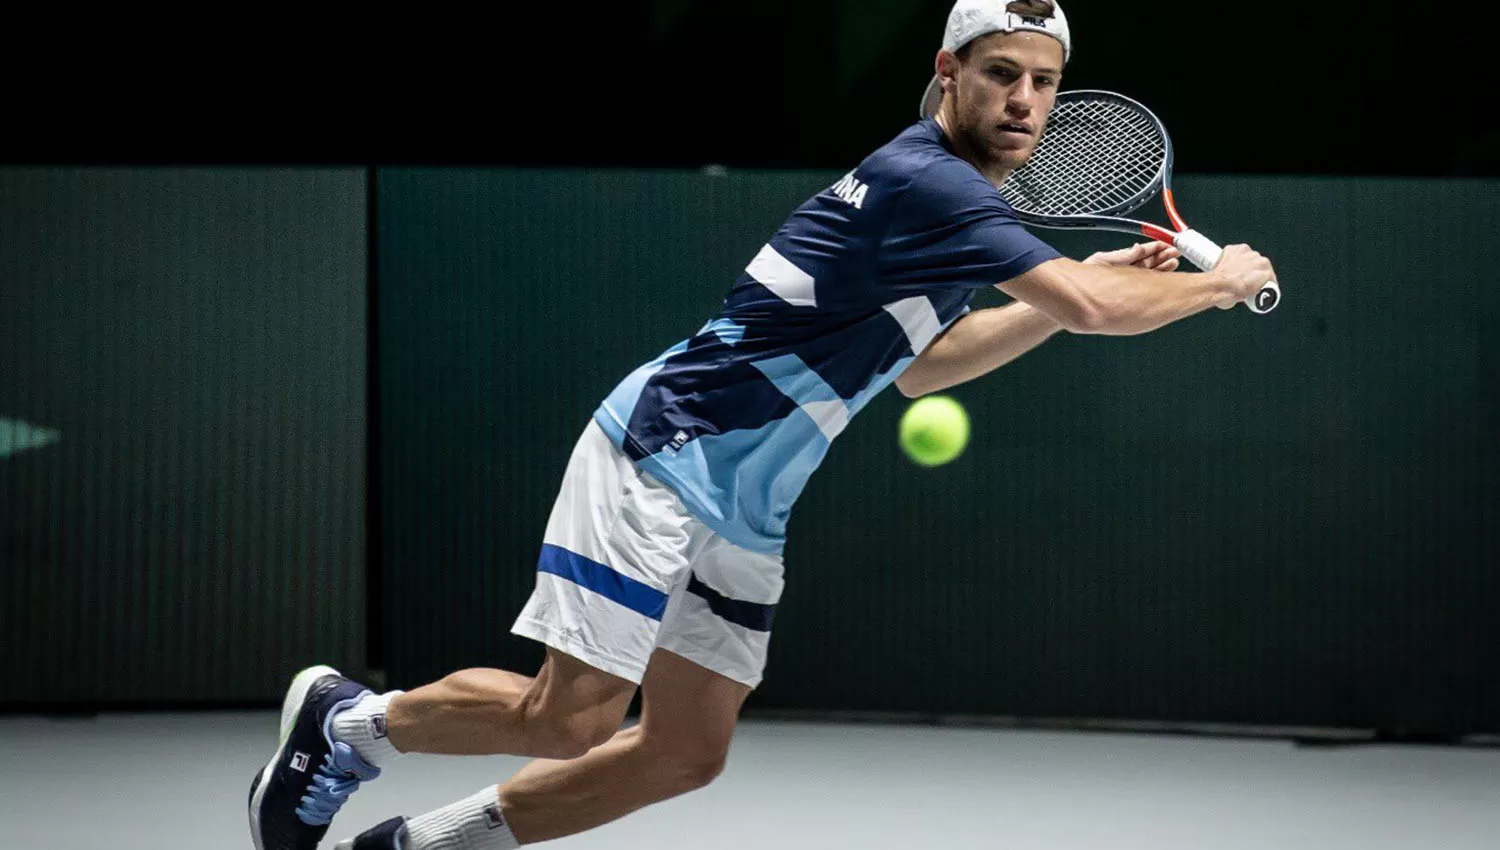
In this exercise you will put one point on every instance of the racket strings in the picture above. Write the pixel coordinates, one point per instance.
(1097, 156)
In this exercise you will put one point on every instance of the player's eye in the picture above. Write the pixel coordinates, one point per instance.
(1045, 82)
(1001, 73)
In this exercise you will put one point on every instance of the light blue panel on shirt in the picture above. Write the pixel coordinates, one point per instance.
(796, 379)
(621, 402)
(729, 332)
(742, 484)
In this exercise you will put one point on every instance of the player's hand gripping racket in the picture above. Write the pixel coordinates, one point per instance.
(1103, 156)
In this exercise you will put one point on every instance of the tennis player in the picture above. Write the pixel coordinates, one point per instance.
(661, 565)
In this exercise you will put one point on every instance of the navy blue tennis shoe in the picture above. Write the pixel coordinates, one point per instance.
(294, 797)
(390, 835)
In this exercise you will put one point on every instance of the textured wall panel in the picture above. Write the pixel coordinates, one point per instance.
(195, 341)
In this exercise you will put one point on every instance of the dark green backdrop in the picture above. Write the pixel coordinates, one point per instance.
(194, 341)
(1283, 520)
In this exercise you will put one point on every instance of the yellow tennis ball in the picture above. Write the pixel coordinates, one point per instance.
(934, 430)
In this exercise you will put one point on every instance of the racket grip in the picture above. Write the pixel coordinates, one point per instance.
(1205, 253)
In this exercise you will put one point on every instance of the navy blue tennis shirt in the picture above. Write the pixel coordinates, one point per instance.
(852, 287)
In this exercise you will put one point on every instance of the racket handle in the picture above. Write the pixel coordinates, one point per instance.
(1204, 253)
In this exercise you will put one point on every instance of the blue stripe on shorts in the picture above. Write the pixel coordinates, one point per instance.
(637, 596)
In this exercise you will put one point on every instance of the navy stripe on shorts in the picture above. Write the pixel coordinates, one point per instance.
(751, 615)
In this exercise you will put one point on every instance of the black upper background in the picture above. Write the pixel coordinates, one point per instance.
(1310, 88)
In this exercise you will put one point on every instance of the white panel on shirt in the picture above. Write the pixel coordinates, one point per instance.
(918, 319)
(778, 274)
(832, 416)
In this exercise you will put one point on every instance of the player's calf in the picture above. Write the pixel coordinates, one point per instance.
(557, 730)
(568, 708)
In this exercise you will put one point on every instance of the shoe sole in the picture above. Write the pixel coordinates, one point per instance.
(291, 706)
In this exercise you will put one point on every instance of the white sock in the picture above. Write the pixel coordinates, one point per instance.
(362, 726)
(473, 823)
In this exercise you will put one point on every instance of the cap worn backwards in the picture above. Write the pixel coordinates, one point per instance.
(971, 19)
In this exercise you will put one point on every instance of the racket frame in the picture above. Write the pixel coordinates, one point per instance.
(1197, 248)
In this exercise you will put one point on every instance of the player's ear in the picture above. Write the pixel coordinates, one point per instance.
(946, 67)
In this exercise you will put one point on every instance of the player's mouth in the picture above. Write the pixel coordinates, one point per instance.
(1015, 130)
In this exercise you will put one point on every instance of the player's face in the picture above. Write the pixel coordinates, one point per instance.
(1002, 95)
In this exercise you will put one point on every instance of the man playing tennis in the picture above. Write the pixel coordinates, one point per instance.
(661, 564)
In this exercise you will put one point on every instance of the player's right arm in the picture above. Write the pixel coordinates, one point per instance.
(1123, 300)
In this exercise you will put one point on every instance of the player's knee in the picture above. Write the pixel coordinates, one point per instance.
(700, 769)
(688, 766)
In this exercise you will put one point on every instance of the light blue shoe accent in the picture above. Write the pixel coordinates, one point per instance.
(338, 776)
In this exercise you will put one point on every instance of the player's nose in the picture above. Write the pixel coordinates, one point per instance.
(1022, 97)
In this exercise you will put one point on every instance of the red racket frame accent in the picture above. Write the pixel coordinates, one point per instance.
(1161, 234)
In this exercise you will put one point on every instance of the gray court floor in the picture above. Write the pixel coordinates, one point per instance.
(179, 781)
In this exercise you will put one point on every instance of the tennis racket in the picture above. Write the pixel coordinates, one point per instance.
(1102, 157)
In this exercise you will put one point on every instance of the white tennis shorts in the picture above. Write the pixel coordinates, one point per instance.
(625, 569)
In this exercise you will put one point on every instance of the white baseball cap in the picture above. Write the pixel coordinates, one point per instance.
(971, 19)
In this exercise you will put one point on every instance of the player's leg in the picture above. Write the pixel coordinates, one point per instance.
(337, 734)
(688, 715)
(713, 641)
(712, 652)
(680, 744)
(566, 710)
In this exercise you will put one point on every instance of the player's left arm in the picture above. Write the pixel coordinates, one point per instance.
(985, 340)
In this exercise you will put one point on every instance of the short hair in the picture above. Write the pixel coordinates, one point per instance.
(1033, 8)
(1028, 8)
